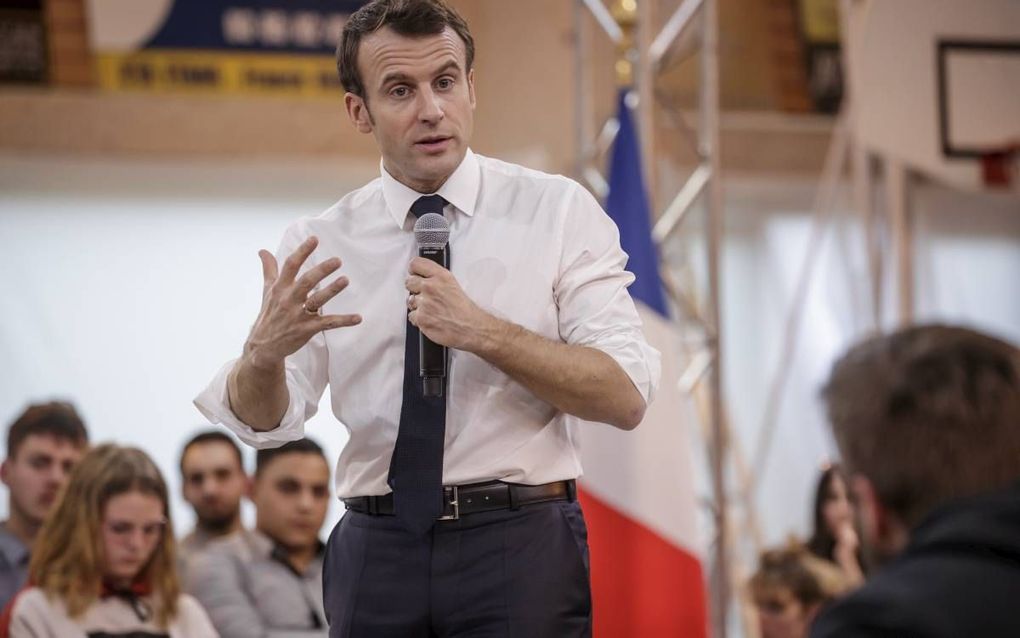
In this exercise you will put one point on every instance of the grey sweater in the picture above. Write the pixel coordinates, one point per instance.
(250, 592)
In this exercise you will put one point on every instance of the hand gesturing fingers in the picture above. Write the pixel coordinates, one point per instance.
(293, 263)
(291, 307)
(269, 271)
(315, 301)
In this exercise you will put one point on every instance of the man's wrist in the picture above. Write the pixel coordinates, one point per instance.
(260, 361)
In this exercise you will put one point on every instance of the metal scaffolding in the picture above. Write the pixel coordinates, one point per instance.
(643, 54)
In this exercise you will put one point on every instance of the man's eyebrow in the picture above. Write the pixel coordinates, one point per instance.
(390, 78)
(452, 64)
(397, 76)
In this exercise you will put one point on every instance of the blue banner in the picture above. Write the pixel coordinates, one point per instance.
(277, 26)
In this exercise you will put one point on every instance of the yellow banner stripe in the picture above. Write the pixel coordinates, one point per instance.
(213, 72)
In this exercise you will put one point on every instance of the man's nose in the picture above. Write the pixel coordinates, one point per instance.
(305, 500)
(429, 107)
(57, 474)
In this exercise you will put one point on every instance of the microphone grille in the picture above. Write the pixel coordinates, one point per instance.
(432, 231)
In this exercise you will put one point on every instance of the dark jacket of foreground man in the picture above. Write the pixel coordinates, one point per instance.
(959, 577)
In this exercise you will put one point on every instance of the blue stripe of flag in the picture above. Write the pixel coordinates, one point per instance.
(627, 204)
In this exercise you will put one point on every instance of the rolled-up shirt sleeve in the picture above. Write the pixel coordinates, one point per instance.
(595, 308)
(307, 373)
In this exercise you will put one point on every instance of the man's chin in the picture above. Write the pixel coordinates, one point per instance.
(436, 170)
(217, 523)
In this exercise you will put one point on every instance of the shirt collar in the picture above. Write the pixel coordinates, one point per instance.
(460, 189)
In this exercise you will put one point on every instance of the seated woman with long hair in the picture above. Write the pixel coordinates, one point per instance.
(835, 536)
(104, 563)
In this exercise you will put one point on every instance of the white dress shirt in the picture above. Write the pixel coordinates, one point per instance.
(531, 248)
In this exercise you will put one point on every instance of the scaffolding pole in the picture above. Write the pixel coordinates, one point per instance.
(629, 24)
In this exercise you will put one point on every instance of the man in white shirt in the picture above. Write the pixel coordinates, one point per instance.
(541, 334)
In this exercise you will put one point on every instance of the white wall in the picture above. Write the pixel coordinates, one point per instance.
(126, 285)
(967, 268)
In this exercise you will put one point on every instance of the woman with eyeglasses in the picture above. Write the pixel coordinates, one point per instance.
(104, 563)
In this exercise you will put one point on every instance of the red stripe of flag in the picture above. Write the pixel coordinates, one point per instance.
(642, 585)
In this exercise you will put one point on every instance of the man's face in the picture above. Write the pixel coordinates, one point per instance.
(419, 104)
(291, 494)
(214, 483)
(37, 472)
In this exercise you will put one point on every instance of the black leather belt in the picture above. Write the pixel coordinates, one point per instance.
(461, 500)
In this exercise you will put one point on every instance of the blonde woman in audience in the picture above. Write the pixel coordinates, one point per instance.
(104, 563)
(790, 587)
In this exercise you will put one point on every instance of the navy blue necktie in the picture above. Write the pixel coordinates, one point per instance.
(416, 468)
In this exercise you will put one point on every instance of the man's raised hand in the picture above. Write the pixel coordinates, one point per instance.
(291, 311)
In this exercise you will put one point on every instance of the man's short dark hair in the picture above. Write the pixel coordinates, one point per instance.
(211, 436)
(928, 414)
(58, 419)
(302, 446)
(412, 18)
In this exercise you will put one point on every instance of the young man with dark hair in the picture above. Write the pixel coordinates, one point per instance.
(928, 424)
(461, 503)
(43, 446)
(267, 582)
(213, 482)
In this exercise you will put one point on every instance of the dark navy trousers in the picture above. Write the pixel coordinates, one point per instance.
(505, 574)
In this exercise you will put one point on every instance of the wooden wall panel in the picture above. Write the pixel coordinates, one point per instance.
(67, 32)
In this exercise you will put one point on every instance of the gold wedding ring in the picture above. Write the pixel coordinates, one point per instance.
(317, 311)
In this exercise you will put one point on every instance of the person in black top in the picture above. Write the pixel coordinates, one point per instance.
(928, 424)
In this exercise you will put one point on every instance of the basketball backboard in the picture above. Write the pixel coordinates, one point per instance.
(936, 83)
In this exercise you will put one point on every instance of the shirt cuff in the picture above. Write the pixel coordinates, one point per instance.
(214, 404)
(641, 362)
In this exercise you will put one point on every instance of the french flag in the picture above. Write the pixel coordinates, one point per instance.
(638, 488)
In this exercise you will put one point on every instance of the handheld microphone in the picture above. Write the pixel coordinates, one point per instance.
(432, 232)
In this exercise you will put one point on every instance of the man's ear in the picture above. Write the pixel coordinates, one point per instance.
(5, 471)
(357, 110)
(869, 511)
(471, 87)
(249, 486)
(883, 530)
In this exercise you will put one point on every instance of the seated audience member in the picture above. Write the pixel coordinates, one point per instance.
(268, 582)
(212, 482)
(927, 421)
(789, 588)
(43, 445)
(104, 563)
(835, 534)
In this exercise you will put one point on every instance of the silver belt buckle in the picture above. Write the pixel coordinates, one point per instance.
(455, 503)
